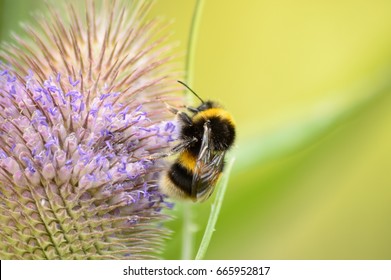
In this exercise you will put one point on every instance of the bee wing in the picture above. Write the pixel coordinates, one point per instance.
(208, 167)
(209, 174)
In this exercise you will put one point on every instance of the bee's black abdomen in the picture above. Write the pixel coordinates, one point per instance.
(181, 177)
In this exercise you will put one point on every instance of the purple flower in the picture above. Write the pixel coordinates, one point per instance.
(81, 110)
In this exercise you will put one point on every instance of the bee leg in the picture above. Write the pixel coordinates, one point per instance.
(180, 147)
(185, 118)
(160, 155)
(182, 116)
(184, 145)
(192, 109)
(171, 109)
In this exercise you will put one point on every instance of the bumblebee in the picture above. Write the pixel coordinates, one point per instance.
(205, 137)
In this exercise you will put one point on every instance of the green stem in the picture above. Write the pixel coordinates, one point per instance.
(188, 231)
(191, 42)
(189, 227)
(216, 206)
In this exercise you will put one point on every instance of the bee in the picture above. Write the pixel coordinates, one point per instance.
(205, 137)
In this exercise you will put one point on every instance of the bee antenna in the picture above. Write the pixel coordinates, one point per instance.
(182, 83)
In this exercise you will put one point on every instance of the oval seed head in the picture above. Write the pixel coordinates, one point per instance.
(82, 107)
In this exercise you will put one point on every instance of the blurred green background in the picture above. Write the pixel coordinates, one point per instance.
(309, 85)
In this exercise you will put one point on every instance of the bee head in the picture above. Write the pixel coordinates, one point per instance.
(208, 105)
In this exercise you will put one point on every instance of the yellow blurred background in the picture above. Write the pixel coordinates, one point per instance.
(309, 85)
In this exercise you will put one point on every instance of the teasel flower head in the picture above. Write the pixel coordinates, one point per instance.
(82, 108)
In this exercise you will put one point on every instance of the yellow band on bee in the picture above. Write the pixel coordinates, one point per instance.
(187, 160)
(211, 113)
